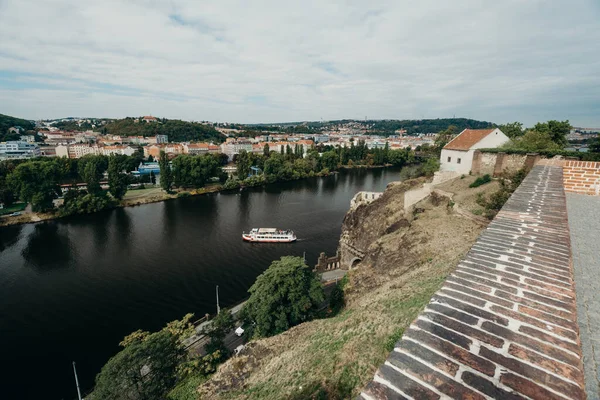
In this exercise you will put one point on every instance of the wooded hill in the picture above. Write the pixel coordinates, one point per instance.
(177, 130)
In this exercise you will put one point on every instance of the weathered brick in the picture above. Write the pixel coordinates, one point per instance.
(429, 356)
(527, 387)
(532, 321)
(487, 387)
(546, 363)
(465, 329)
(452, 313)
(444, 333)
(441, 382)
(534, 304)
(567, 323)
(382, 392)
(454, 352)
(486, 282)
(536, 345)
(490, 298)
(406, 384)
(471, 309)
(536, 374)
(540, 335)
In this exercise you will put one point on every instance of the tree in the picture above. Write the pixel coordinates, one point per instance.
(218, 328)
(557, 130)
(244, 162)
(152, 178)
(286, 294)
(36, 182)
(329, 160)
(444, 137)
(144, 370)
(117, 178)
(535, 140)
(266, 150)
(91, 169)
(595, 145)
(166, 175)
(512, 129)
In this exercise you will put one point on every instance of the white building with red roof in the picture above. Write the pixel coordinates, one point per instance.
(457, 155)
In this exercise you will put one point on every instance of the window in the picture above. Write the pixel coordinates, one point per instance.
(449, 159)
(458, 161)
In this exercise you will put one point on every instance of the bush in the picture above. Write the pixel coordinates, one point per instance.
(231, 184)
(508, 184)
(482, 180)
(184, 194)
(431, 166)
(82, 202)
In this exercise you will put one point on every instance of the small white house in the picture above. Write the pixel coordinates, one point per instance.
(457, 155)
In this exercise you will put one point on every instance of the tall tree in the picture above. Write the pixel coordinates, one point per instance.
(36, 182)
(91, 169)
(557, 130)
(117, 177)
(286, 294)
(244, 162)
(166, 175)
(266, 150)
(512, 129)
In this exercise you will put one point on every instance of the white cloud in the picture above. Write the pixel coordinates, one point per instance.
(277, 60)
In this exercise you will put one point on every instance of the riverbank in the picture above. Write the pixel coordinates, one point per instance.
(138, 197)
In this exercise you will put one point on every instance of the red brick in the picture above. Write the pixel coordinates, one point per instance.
(528, 388)
(535, 374)
(454, 352)
(531, 321)
(546, 363)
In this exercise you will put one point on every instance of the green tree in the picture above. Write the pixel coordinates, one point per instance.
(286, 294)
(218, 329)
(244, 162)
(512, 129)
(329, 160)
(144, 370)
(534, 140)
(166, 175)
(266, 150)
(36, 182)
(117, 177)
(595, 145)
(557, 130)
(444, 137)
(91, 169)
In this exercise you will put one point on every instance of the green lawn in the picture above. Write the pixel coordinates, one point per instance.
(13, 208)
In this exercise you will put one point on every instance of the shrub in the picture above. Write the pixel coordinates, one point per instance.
(184, 194)
(482, 180)
(508, 184)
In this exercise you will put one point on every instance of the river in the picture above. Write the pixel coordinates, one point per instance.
(71, 289)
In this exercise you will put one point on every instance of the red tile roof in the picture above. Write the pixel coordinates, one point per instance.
(467, 139)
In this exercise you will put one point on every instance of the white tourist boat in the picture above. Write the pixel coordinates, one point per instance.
(269, 235)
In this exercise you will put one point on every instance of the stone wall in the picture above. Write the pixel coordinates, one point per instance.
(497, 163)
(582, 177)
(364, 198)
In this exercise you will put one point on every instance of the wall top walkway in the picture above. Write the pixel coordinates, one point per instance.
(504, 325)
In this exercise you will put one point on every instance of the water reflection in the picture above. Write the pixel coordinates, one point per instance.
(48, 248)
(9, 235)
(123, 228)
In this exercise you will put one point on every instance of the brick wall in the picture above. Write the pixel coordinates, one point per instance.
(504, 325)
(582, 177)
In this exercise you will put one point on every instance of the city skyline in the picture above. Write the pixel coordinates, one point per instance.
(273, 62)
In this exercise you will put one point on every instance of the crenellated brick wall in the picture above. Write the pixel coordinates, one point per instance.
(582, 177)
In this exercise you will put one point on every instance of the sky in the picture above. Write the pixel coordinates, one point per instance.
(275, 61)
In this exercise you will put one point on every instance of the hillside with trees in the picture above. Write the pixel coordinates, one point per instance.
(177, 130)
(7, 122)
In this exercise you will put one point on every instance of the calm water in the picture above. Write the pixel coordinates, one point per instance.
(70, 290)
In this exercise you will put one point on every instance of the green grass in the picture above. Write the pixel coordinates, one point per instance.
(14, 208)
(482, 180)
